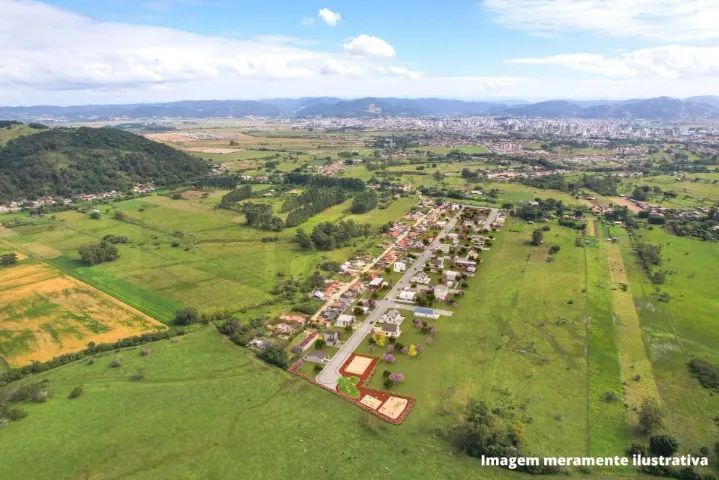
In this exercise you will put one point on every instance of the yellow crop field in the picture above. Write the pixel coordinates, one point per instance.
(44, 313)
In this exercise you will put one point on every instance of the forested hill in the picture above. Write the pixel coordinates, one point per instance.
(69, 161)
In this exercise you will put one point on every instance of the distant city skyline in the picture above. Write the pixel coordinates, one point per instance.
(73, 52)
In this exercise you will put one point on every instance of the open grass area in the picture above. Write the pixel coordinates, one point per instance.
(679, 329)
(534, 328)
(191, 414)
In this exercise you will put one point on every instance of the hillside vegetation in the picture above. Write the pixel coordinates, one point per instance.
(69, 161)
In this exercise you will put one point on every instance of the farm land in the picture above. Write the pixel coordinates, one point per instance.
(548, 334)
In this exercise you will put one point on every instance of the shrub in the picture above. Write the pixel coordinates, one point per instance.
(76, 392)
(186, 316)
(554, 249)
(663, 445)
(610, 397)
(706, 373)
(145, 351)
(274, 355)
(650, 416)
(116, 363)
(137, 376)
(15, 414)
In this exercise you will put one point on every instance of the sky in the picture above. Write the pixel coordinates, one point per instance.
(72, 52)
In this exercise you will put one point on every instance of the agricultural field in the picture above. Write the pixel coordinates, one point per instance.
(187, 253)
(45, 314)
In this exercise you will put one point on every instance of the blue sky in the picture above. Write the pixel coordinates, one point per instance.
(116, 51)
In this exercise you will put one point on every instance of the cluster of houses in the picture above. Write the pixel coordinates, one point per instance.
(19, 205)
(442, 278)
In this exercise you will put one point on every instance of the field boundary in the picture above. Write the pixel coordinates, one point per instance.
(636, 368)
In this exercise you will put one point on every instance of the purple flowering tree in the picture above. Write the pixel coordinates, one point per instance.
(396, 377)
(405, 349)
(390, 348)
(429, 341)
(389, 358)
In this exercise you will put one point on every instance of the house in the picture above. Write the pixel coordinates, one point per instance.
(441, 292)
(318, 294)
(387, 329)
(305, 344)
(260, 343)
(296, 319)
(331, 338)
(450, 276)
(345, 320)
(317, 356)
(376, 282)
(438, 262)
(421, 278)
(400, 267)
(426, 313)
(392, 316)
(283, 329)
(407, 296)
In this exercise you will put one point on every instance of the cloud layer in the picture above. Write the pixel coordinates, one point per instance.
(671, 61)
(665, 20)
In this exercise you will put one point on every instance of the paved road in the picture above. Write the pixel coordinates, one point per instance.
(329, 375)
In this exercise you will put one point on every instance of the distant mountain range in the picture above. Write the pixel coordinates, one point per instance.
(661, 108)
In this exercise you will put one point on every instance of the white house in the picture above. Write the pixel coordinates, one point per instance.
(400, 267)
(407, 296)
(387, 329)
(421, 278)
(345, 320)
(392, 316)
(450, 276)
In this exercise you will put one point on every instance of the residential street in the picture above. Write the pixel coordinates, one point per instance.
(329, 375)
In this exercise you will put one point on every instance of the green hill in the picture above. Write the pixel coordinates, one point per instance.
(69, 161)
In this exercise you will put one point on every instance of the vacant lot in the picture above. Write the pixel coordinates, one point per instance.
(44, 314)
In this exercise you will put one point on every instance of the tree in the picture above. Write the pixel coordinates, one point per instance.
(76, 392)
(186, 316)
(303, 239)
(650, 416)
(94, 253)
(274, 355)
(320, 343)
(537, 237)
(95, 215)
(8, 259)
(663, 445)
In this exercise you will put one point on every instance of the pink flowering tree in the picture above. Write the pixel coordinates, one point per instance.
(419, 348)
(429, 341)
(433, 331)
(405, 349)
(389, 358)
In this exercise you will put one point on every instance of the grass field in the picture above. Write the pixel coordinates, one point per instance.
(680, 329)
(191, 415)
(217, 264)
(44, 314)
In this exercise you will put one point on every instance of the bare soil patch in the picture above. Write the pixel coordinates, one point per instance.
(625, 202)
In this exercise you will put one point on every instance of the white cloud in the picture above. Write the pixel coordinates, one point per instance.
(369, 46)
(329, 17)
(671, 61)
(401, 72)
(667, 20)
(307, 21)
